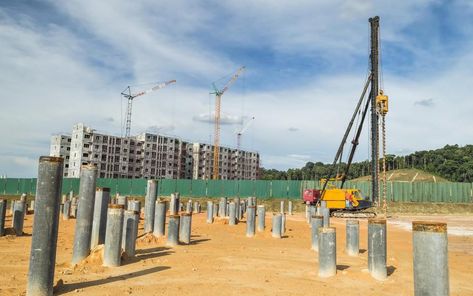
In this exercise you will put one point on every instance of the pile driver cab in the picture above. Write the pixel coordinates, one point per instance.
(337, 199)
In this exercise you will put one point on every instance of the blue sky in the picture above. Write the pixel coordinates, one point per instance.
(67, 61)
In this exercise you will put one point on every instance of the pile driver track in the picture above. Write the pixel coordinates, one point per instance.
(361, 214)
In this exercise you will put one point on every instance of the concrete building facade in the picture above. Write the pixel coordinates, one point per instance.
(233, 163)
(149, 156)
(60, 147)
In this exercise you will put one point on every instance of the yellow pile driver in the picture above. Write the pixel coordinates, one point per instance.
(350, 202)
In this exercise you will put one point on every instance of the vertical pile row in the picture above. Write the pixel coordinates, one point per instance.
(68, 206)
(233, 210)
(97, 222)
(324, 241)
(18, 210)
(179, 226)
(430, 249)
(255, 215)
(279, 220)
(100, 219)
(103, 220)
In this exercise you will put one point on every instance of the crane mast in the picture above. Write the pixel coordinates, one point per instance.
(128, 95)
(218, 98)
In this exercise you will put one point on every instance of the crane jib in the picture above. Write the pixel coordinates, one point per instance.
(130, 98)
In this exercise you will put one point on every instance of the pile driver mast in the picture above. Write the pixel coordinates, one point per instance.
(218, 97)
(374, 61)
(128, 95)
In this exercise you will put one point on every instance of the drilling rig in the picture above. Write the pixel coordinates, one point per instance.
(350, 202)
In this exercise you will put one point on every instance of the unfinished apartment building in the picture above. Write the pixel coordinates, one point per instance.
(233, 164)
(60, 147)
(148, 156)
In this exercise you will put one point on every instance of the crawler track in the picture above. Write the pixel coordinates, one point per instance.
(354, 214)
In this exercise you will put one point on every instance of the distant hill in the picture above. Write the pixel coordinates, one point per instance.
(452, 162)
(407, 175)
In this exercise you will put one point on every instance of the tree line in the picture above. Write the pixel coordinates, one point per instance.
(451, 162)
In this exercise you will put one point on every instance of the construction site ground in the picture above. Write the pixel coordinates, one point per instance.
(221, 260)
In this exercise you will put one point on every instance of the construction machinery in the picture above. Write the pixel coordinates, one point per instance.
(218, 98)
(343, 202)
(350, 202)
(128, 95)
(242, 130)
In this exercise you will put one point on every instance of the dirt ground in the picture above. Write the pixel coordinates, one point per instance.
(221, 260)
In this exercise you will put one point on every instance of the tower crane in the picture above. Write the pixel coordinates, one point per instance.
(128, 95)
(218, 97)
(243, 129)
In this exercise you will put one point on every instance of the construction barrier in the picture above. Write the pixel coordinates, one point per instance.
(290, 189)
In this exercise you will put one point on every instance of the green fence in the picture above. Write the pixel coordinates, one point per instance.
(396, 191)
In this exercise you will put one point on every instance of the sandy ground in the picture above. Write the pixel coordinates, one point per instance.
(222, 261)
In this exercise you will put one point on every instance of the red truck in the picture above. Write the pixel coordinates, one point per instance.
(311, 196)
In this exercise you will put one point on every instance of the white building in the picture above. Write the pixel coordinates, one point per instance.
(149, 156)
(233, 163)
(60, 147)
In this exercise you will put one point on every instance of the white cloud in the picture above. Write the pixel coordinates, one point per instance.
(225, 119)
(160, 129)
(18, 166)
(58, 74)
(300, 156)
(150, 36)
(425, 103)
